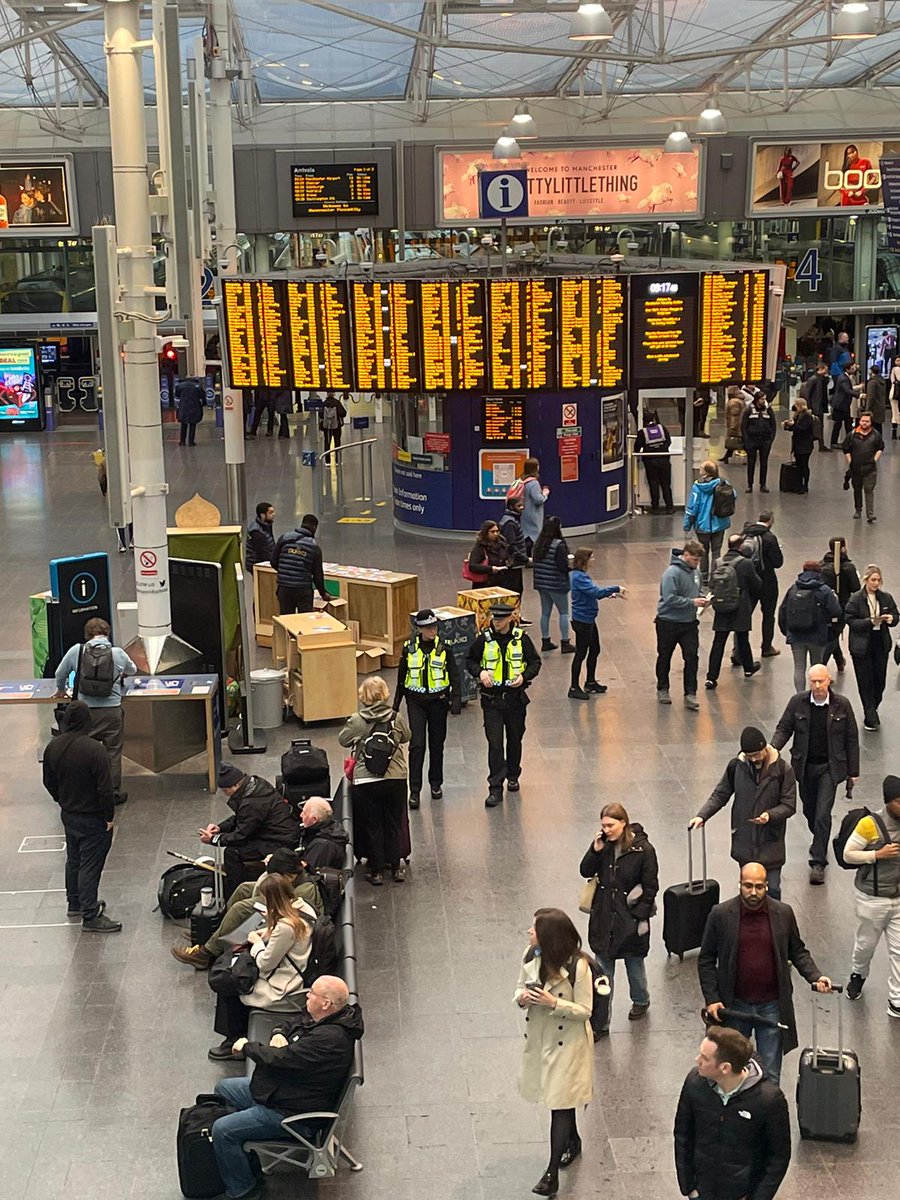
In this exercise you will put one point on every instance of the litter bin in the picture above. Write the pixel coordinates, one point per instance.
(267, 690)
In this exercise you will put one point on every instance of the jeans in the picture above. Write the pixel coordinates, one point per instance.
(548, 600)
(712, 547)
(87, 845)
(876, 917)
(635, 969)
(427, 721)
(864, 486)
(670, 634)
(252, 1123)
(720, 640)
(773, 877)
(763, 453)
(817, 789)
(800, 651)
(587, 644)
(768, 1040)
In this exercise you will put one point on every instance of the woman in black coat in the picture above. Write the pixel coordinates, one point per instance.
(489, 559)
(624, 863)
(189, 394)
(871, 614)
(803, 439)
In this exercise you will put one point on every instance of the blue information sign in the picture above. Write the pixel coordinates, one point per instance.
(81, 586)
(503, 193)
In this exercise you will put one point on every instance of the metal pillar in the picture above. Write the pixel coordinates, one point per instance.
(220, 66)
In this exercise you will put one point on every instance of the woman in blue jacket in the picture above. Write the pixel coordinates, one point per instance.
(586, 596)
(699, 516)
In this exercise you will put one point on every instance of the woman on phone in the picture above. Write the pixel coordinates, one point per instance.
(281, 951)
(555, 989)
(624, 863)
(871, 614)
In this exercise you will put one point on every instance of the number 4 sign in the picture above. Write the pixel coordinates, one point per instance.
(808, 270)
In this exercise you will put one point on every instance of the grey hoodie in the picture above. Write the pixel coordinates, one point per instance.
(358, 727)
(678, 588)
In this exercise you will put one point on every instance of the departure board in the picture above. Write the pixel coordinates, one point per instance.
(453, 334)
(343, 189)
(522, 334)
(386, 337)
(503, 420)
(591, 332)
(733, 314)
(255, 328)
(319, 322)
(664, 328)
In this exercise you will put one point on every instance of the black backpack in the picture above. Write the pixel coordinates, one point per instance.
(599, 1017)
(96, 672)
(755, 543)
(323, 953)
(723, 504)
(331, 883)
(726, 592)
(179, 889)
(379, 748)
(802, 609)
(848, 824)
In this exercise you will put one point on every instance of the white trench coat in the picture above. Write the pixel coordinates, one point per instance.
(558, 1059)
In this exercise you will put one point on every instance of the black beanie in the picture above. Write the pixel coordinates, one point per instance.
(284, 862)
(229, 775)
(752, 740)
(891, 788)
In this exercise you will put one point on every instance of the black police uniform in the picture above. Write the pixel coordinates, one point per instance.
(427, 713)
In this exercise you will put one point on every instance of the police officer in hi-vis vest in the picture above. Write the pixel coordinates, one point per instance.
(504, 661)
(427, 676)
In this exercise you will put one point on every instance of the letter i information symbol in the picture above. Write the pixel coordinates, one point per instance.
(503, 194)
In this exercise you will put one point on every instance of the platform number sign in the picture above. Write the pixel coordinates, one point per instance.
(503, 194)
(808, 270)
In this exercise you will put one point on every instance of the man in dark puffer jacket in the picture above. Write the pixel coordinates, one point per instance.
(261, 823)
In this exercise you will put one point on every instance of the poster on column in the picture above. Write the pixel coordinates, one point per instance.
(612, 432)
(498, 470)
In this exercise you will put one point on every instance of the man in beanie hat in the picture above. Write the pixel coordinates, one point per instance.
(504, 661)
(764, 788)
(874, 849)
(261, 822)
(428, 677)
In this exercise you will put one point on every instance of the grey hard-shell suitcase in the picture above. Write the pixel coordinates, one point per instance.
(687, 905)
(829, 1093)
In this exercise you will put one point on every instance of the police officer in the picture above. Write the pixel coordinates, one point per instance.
(428, 677)
(504, 661)
(298, 561)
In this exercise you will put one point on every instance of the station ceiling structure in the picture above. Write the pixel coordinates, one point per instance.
(422, 51)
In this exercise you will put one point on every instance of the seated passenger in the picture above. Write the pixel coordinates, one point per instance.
(261, 823)
(303, 1069)
(281, 950)
(244, 901)
(323, 841)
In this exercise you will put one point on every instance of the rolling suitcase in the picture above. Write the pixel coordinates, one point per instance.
(829, 1094)
(687, 905)
(206, 918)
(306, 766)
(198, 1171)
(789, 479)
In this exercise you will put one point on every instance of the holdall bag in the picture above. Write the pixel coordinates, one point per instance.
(234, 974)
(179, 890)
(789, 478)
(829, 1086)
(306, 766)
(586, 896)
(687, 905)
(198, 1171)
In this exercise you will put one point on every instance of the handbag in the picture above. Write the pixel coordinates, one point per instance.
(586, 897)
(349, 768)
(235, 974)
(467, 573)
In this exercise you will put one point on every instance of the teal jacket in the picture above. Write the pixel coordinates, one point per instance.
(698, 513)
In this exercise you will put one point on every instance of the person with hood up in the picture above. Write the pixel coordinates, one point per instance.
(764, 791)
(871, 614)
(624, 864)
(841, 575)
(701, 514)
(677, 624)
(379, 801)
(808, 619)
(758, 430)
(736, 586)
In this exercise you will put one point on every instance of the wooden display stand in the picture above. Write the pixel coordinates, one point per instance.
(479, 601)
(320, 658)
(265, 602)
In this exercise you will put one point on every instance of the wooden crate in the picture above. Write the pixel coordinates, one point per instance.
(479, 601)
(380, 602)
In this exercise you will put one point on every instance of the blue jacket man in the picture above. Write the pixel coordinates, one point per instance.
(298, 561)
(676, 621)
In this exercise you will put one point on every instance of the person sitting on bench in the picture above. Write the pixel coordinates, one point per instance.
(245, 900)
(302, 1069)
(323, 841)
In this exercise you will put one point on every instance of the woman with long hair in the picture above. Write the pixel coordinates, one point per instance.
(550, 563)
(555, 989)
(489, 558)
(586, 597)
(624, 864)
(853, 197)
(281, 951)
(871, 614)
(802, 427)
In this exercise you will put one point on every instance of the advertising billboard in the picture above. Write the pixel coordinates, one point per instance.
(804, 177)
(36, 197)
(610, 183)
(881, 348)
(19, 393)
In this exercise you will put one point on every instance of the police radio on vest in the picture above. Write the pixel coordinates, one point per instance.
(853, 180)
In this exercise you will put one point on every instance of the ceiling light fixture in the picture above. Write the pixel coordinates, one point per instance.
(590, 23)
(523, 125)
(711, 120)
(506, 146)
(677, 142)
(853, 22)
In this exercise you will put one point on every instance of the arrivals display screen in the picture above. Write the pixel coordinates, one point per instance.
(591, 332)
(345, 189)
(19, 394)
(386, 337)
(453, 335)
(733, 312)
(503, 421)
(664, 329)
(522, 334)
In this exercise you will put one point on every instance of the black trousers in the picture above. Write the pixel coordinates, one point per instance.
(841, 422)
(659, 478)
(239, 870)
(294, 600)
(232, 1017)
(258, 410)
(720, 641)
(802, 461)
(587, 644)
(871, 673)
(332, 438)
(87, 845)
(761, 453)
(504, 721)
(189, 431)
(427, 722)
(670, 634)
(817, 789)
(768, 604)
(383, 806)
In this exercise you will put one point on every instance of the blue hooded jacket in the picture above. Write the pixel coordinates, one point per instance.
(698, 513)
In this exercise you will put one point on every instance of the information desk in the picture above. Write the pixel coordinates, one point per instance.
(168, 719)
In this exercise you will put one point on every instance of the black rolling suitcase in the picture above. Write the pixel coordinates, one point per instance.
(304, 773)
(829, 1093)
(198, 1171)
(206, 918)
(789, 479)
(687, 905)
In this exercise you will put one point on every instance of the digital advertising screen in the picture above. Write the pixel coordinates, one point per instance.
(664, 329)
(522, 334)
(881, 348)
(36, 197)
(344, 189)
(733, 317)
(806, 177)
(453, 317)
(591, 332)
(19, 391)
(50, 354)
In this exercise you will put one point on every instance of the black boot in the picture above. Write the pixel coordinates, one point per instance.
(546, 644)
(566, 647)
(547, 1185)
(893, 433)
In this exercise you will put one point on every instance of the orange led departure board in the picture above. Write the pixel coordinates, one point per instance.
(591, 332)
(522, 334)
(503, 420)
(733, 316)
(319, 323)
(348, 189)
(255, 328)
(386, 337)
(453, 334)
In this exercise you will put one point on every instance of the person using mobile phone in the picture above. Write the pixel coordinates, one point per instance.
(871, 614)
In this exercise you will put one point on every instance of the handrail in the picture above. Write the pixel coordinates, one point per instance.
(348, 446)
(368, 471)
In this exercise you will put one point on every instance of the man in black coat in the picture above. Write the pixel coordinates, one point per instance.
(77, 775)
(303, 1069)
(736, 586)
(749, 944)
(323, 842)
(765, 797)
(767, 558)
(260, 543)
(824, 752)
(262, 822)
(732, 1126)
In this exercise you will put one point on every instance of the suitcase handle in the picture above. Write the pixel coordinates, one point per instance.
(700, 885)
(815, 1030)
